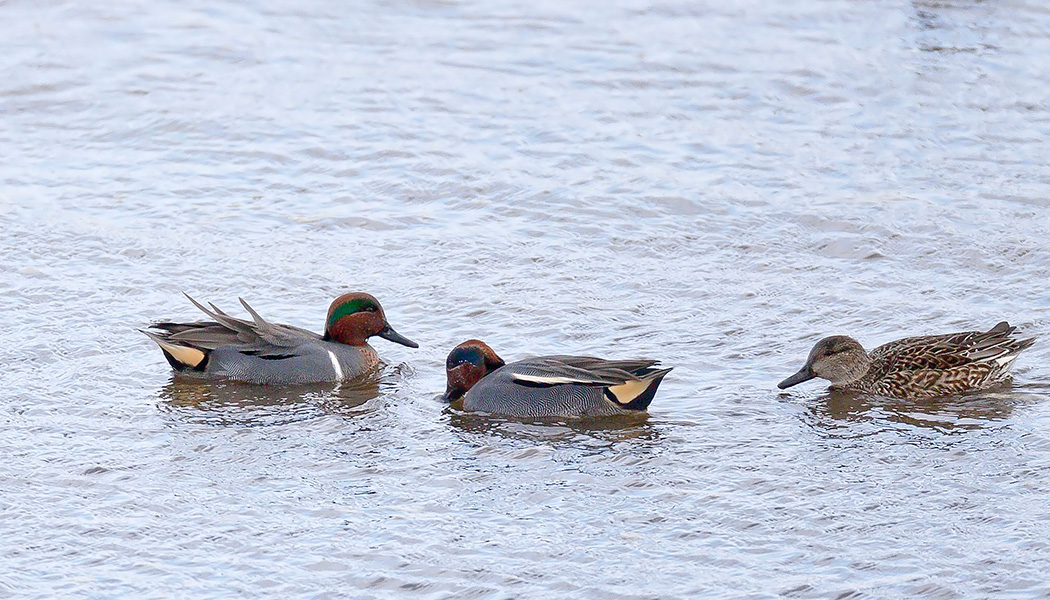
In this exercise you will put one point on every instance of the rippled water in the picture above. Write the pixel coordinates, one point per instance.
(713, 184)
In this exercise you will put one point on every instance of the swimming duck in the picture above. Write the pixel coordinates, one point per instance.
(915, 367)
(257, 351)
(549, 386)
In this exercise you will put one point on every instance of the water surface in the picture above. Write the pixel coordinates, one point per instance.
(715, 185)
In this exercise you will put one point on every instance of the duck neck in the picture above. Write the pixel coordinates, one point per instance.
(853, 371)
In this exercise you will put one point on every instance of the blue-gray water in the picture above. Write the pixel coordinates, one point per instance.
(714, 184)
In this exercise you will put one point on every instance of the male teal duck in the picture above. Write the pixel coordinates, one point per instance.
(549, 386)
(257, 351)
(915, 367)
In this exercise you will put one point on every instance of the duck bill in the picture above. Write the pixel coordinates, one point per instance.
(388, 333)
(452, 394)
(804, 374)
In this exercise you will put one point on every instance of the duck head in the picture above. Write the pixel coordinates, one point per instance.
(840, 359)
(466, 365)
(355, 317)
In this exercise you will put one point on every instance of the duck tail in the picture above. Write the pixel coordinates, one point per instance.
(181, 358)
(1015, 348)
(1000, 345)
(1023, 344)
(1002, 327)
(637, 394)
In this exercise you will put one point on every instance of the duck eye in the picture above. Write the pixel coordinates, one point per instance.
(371, 308)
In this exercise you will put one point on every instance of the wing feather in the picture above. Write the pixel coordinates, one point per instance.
(579, 370)
(951, 351)
(258, 337)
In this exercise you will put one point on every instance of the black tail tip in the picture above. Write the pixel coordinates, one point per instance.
(643, 400)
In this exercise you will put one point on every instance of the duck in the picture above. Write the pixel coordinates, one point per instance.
(549, 386)
(261, 352)
(915, 367)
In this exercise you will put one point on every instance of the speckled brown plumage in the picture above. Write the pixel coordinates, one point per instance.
(916, 367)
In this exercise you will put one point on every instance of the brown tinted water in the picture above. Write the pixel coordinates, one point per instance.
(717, 185)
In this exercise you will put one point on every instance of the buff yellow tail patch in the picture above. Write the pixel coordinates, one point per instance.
(625, 393)
(190, 357)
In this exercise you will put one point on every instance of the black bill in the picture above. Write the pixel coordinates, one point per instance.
(804, 374)
(388, 333)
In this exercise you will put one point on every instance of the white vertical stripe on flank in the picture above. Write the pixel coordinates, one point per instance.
(335, 365)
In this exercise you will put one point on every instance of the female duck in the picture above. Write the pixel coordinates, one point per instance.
(549, 386)
(270, 353)
(915, 367)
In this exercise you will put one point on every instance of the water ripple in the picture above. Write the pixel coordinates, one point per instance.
(715, 186)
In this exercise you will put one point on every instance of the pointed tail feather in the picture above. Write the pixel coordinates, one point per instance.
(1002, 327)
(226, 320)
(259, 321)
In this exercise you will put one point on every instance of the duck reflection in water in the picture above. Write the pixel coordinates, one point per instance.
(611, 429)
(242, 404)
(843, 413)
